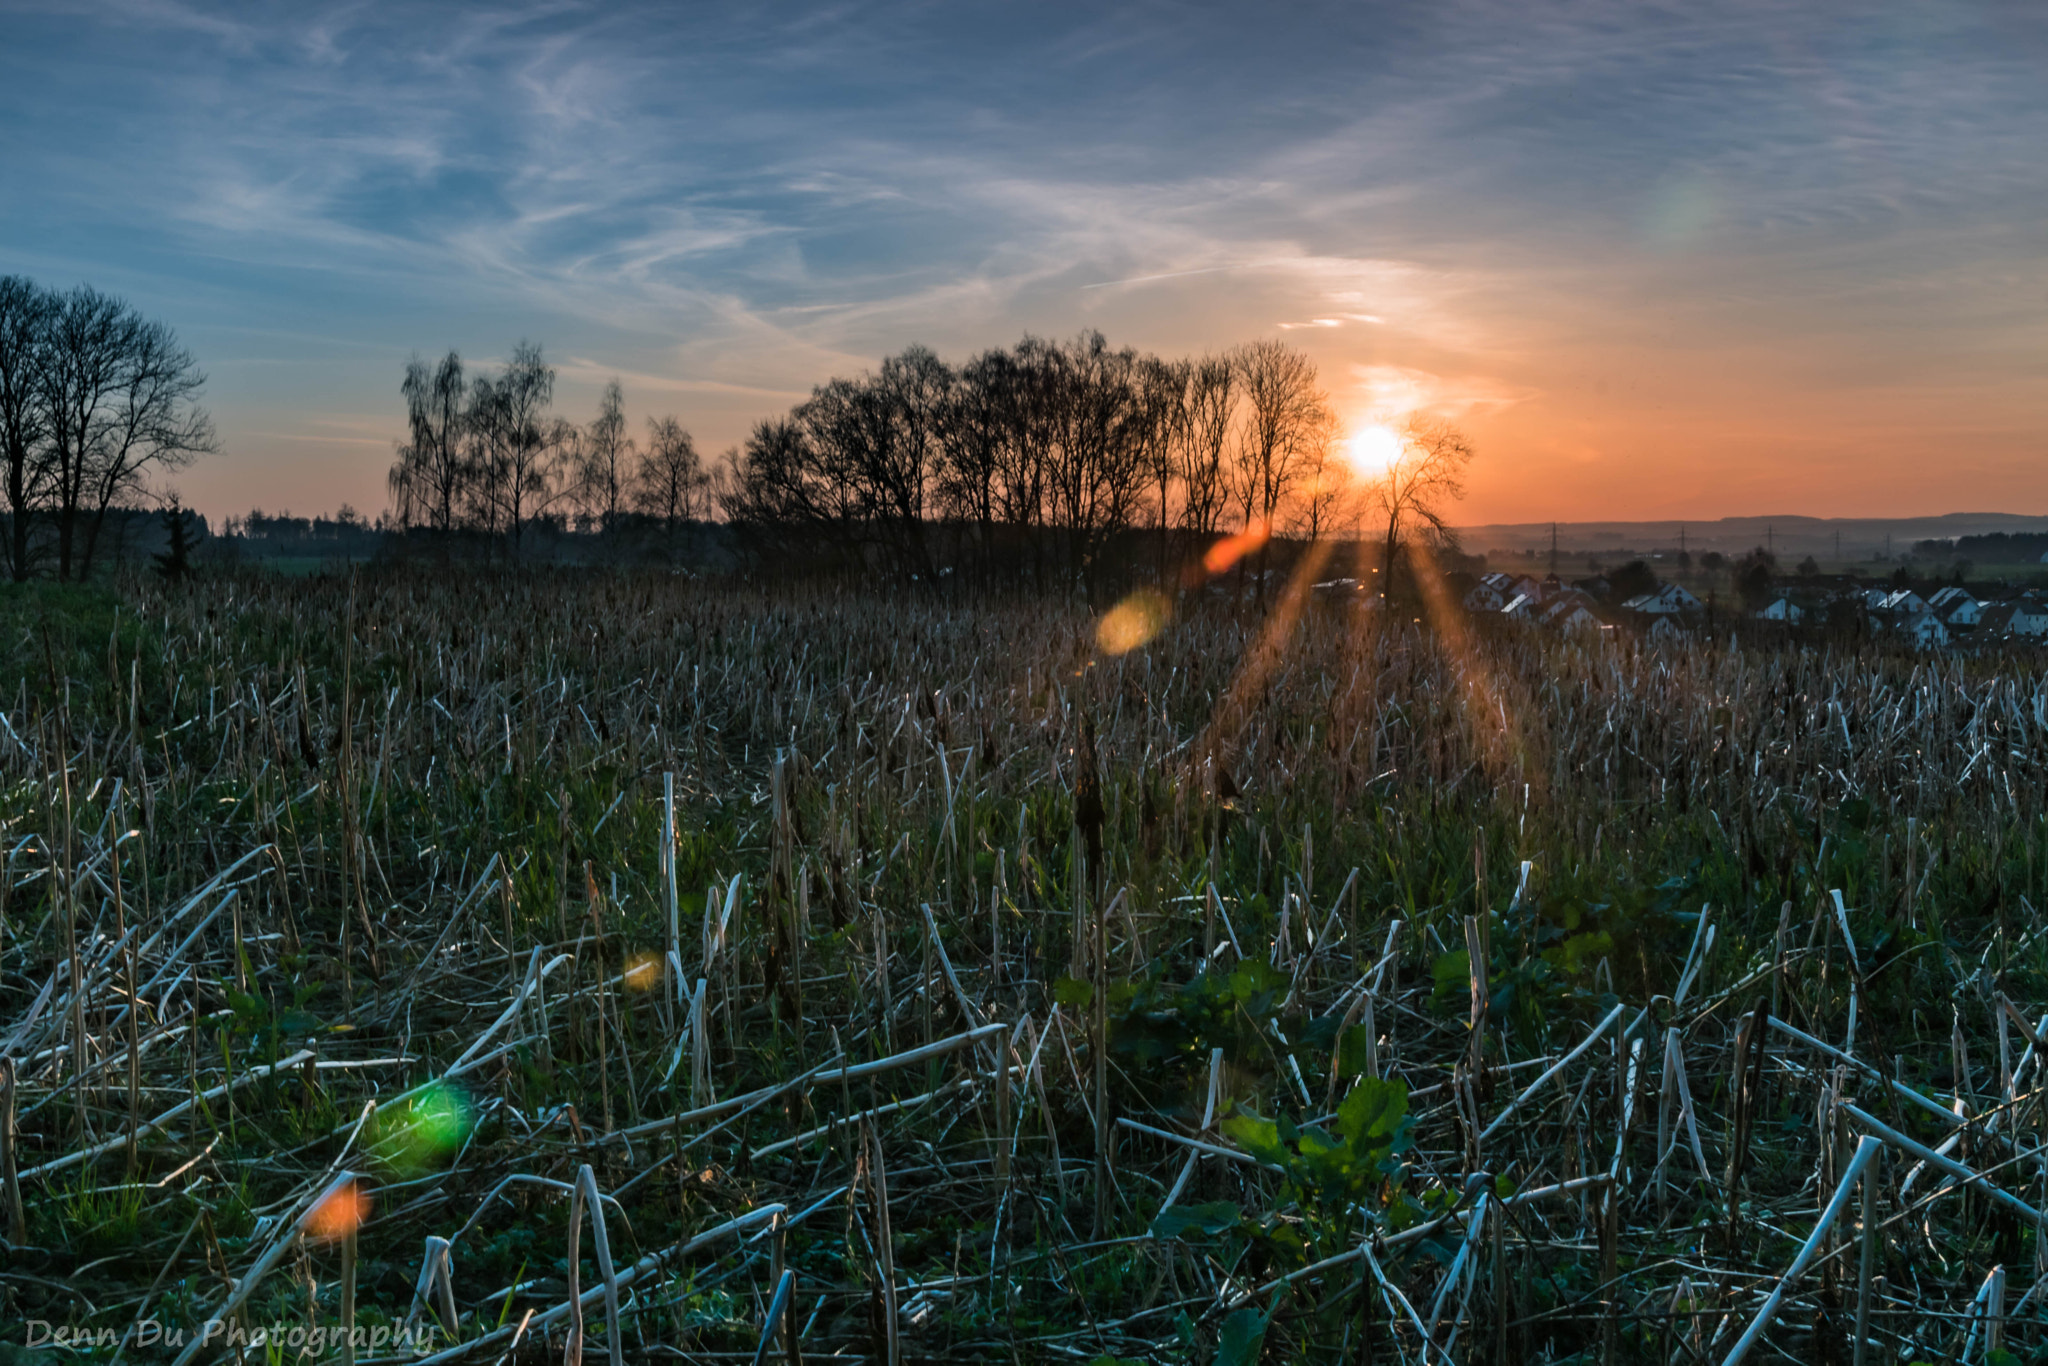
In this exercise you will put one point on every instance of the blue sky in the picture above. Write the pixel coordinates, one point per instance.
(1662, 261)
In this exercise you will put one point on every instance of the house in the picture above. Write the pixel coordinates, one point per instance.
(1665, 631)
(1956, 607)
(1570, 613)
(1493, 592)
(1923, 630)
(1874, 599)
(1522, 607)
(1905, 602)
(2019, 617)
(1668, 600)
(1784, 609)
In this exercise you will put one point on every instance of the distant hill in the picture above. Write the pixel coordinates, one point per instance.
(1845, 538)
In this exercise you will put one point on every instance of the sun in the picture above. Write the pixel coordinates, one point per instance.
(1370, 451)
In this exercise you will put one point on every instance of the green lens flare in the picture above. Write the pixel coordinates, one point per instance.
(425, 1131)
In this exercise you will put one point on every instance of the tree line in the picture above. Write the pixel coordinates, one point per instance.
(484, 454)
(1065, 463)
(1058, 464)
(94, 398)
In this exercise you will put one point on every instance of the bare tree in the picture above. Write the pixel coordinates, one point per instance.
(1208, 415)
(516, 449)
(1160, 390)
(670, 482)
(25, 310)
(1286, 421)
(428, 480)
(1325, 498)
(784, 486)
(1095, 471)
(976, 426)
(117, 393)
(605, 468)
(1414, 493)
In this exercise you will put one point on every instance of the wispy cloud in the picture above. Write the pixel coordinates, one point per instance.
(1563, 222)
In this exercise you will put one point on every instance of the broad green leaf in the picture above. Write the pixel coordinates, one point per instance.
(1353, 1050)
(1259, 1137)
(1072, 991)
(1244, 1334)
(1177, 1221)
(1371, 1115)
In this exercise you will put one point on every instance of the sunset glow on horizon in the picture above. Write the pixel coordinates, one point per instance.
(1655, 264)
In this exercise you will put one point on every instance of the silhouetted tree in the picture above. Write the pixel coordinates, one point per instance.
(175, 563)
(116, 393)
(25, 311)
(1631, 580)
(516, 450)
(604, 470)
(430, 479)
(1412, 496)
(1207, 418)
(670, 482)
(1753, 575)
(1286, 418)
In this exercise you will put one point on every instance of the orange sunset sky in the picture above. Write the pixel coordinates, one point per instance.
(1661, 262)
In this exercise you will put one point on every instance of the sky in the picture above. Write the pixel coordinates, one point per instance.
(1658, 261)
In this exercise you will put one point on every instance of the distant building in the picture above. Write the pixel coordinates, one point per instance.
(1668, 600)
(1493, 592)
(1956, 607)
(1784, 609)
(1905, 602)
(2020, 617)
(1923, 630)
(1570, 613)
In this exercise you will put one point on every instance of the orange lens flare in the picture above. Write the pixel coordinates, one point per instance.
(339, 1215)
(1231, 549)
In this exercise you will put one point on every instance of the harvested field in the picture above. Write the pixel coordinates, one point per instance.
(682, 970)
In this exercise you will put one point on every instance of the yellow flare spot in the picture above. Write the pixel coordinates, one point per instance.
(1133, 622)
(644, 973)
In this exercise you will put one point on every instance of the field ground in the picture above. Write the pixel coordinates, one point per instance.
(1295, 983)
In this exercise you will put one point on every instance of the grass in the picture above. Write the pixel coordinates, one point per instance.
(397, 903)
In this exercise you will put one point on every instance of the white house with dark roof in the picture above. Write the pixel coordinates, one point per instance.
(1923, 630)
(2019, 617)
(1784, 609)
(1571, 613)
(1956, 607)
(1668, 600)
(1493, 592)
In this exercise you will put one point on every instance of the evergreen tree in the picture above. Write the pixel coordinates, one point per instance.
(176, 561)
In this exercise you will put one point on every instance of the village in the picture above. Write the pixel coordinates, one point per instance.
(1633, 600)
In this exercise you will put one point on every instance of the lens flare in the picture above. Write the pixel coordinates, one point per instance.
(1231, 549)
(418, 1135)
(1372, 451)
(644, 972)
(339, 1215)
(1133, 622)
